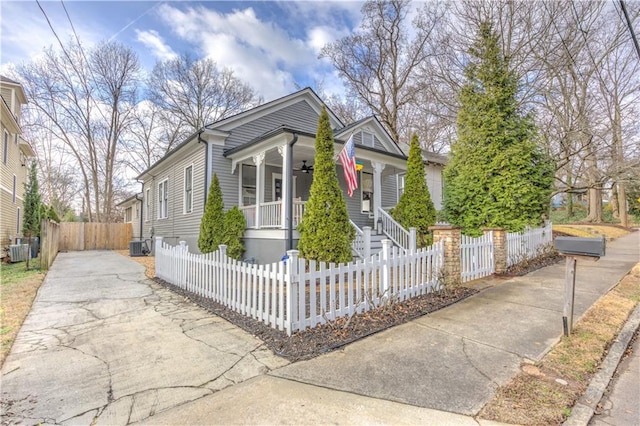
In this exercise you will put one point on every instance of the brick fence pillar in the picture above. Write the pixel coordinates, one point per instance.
(499, 249)
(450, 236)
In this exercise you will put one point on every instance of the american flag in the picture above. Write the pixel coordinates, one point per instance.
(348, 160)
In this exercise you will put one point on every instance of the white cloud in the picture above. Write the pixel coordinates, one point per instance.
(260, 52)
(155, 42)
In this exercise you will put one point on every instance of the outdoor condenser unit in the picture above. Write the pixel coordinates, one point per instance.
(18, 252)
(135, 248)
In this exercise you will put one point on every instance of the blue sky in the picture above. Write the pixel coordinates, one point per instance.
(273, 46)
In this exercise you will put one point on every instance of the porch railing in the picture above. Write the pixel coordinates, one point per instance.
(392, 229)
(271, 214)
(361, 244)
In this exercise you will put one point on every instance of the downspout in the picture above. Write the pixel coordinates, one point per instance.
(140, 237)
(206, 164)
(290, 192)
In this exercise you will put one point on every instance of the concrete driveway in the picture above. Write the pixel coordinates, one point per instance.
(104, 345)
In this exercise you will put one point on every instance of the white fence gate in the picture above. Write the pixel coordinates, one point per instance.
(476, 257)
(297, 294)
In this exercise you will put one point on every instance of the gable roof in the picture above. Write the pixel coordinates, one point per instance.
(373, 121)
(4, 81)
(253, 113)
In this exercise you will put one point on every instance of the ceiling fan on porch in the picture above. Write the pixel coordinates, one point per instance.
(305, 168)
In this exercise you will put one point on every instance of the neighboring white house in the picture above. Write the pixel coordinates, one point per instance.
(259, 156)
(132, 213)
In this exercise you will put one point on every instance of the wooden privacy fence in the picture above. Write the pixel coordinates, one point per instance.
(49, 239)
(78, 236)
(296, 294)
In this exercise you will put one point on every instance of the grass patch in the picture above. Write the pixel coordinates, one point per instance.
(591, 230)
(534, 396)
(18, 288)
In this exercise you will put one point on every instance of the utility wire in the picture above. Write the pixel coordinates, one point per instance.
(633, 33)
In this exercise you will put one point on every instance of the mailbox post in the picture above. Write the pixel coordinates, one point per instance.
(574, 248)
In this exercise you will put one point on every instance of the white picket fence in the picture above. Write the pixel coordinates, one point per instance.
(296, 294)
(530, 243)
(476, 257)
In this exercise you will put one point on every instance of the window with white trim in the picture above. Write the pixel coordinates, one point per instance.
(5, 147)
(127, 214)
(18, 221)
(137, 211)
(15, 183)
(366, 183)
(15, 139)
(147, 201)
(163, 198)
(401, 182)
(188, 189)
(367, 138)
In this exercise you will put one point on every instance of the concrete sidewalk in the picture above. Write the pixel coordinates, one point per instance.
(449, 363)
(102, 344)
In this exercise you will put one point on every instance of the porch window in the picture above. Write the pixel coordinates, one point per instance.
(163, 198)
(147, 201)
(401, 182)
(188, 189)
(366, 183)
(248, 185)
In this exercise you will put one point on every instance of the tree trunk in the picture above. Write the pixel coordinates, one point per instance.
(595, 205)
(622, 204)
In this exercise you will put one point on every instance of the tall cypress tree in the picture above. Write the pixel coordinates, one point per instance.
(415, 208)
(212, 222)
(31, 206)
(498, 176)
(325, 231)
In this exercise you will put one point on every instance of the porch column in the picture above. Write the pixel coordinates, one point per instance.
(286, 181)
(258, 159)
(377, 188)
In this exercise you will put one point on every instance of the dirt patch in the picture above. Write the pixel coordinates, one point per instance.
(18, 294)
(544, 393)
(334, 334)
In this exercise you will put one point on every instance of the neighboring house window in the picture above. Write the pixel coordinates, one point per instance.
(137, 211)
(163, 198)
(367, 139)
(14, 188)
(147, 200)
(127, 214)
(18, 221)
(188, 189)
(366, 181)
(5, 148)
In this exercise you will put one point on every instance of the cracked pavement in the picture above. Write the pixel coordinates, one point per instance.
(104, 345)
(111, 347)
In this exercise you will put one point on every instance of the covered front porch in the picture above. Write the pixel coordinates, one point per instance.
(275, 176)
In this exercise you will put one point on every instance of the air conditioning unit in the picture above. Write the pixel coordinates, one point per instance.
(18, 252)
(135, 248)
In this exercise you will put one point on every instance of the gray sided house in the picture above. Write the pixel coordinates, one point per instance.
(264, 161)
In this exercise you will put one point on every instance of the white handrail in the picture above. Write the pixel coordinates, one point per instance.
(396, 232)
(358, 243)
